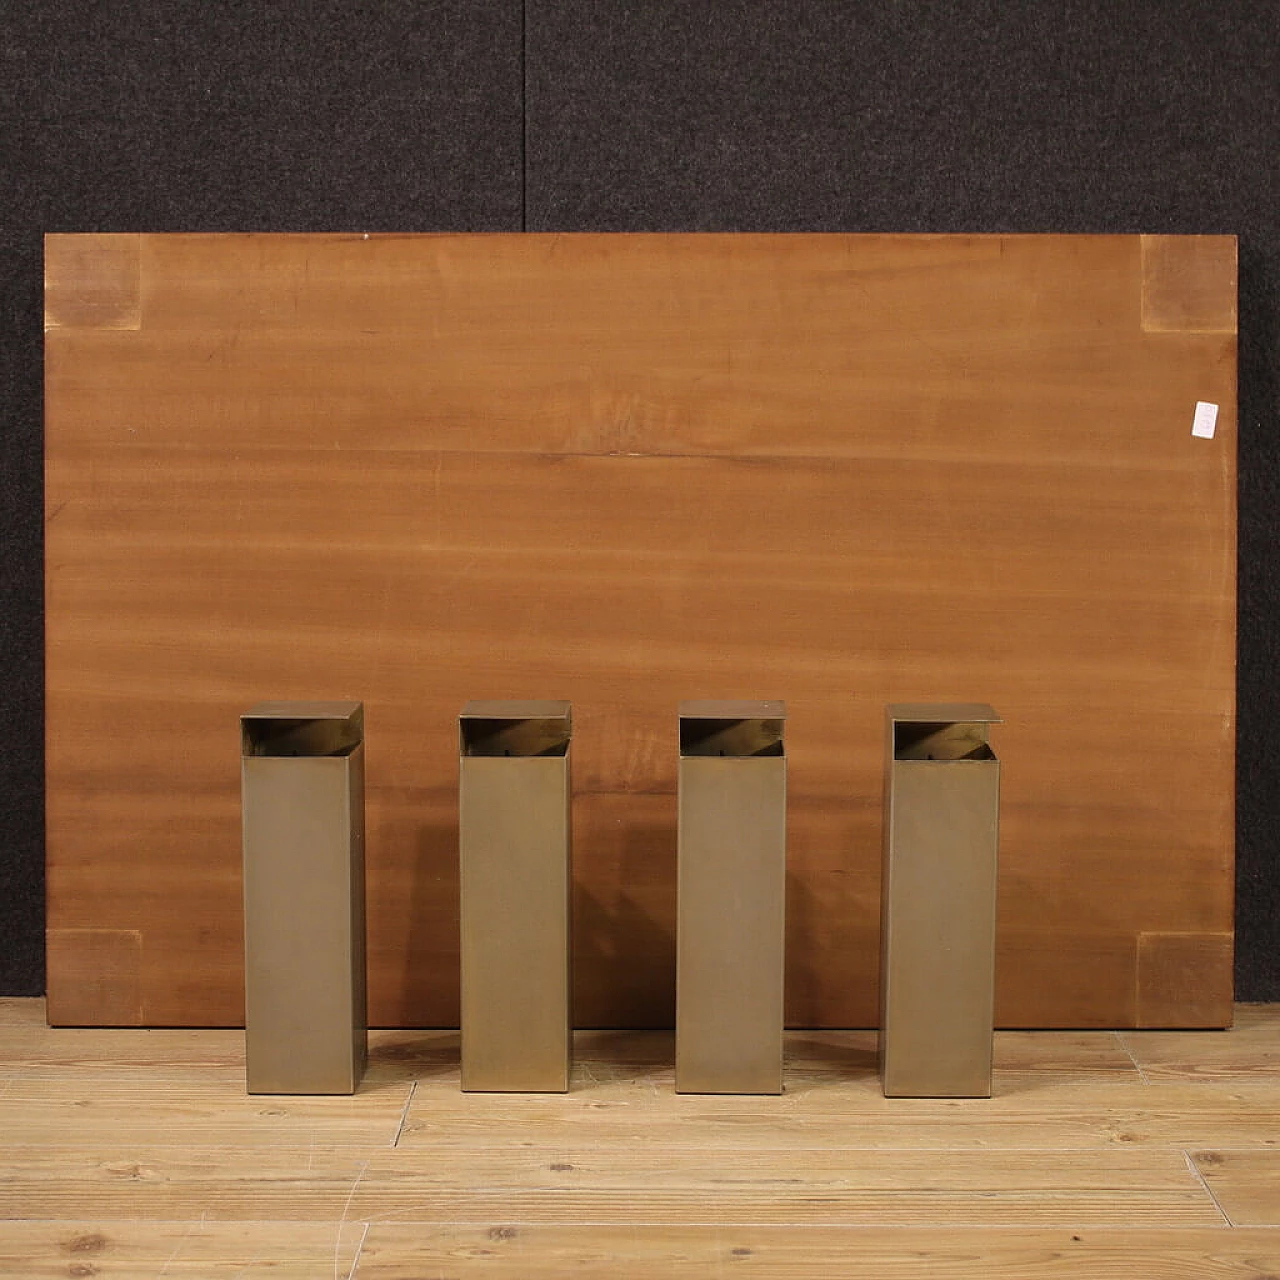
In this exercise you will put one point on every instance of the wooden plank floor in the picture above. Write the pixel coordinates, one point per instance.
(130, 1153)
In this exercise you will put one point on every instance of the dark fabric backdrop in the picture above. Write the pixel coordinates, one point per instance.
(763, 115)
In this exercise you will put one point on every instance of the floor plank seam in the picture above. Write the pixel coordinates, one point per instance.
(342, 1222)
(1208, 1190)
(1137, 1066)
(1119, 1223)
(355, 1261)
(105, 1147)
(177, 1249)
(404, 1113)
(217, 1224)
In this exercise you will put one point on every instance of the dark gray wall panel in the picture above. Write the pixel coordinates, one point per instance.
(174, 115)
(751, 115)
(21, 628)
(914, 116)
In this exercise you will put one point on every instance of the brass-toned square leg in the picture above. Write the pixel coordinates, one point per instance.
(732, 889)
(514, 841)
(302, 796)
(941, 836)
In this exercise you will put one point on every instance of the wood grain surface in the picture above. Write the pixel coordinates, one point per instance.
(136, 1153)
(630, 470)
